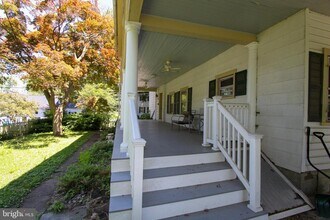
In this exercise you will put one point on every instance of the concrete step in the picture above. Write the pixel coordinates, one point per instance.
(121, 165)
(179, 201)
(230, 212)
(173, 177)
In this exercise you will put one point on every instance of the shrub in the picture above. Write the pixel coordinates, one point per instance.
(145, 116)
(40, 125)
(84, 121)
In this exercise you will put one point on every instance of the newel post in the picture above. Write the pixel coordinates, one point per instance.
(206, 130)
(215, 125)
(255, 173)
(137, 184)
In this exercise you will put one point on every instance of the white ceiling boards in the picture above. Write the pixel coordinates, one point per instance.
(162, 39)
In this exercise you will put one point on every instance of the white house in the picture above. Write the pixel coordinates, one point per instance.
(146, 103)
(266, 66)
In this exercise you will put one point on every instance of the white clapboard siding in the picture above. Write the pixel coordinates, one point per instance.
(319, 32)
(280, 91)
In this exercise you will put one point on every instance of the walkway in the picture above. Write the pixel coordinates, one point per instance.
(41, 195)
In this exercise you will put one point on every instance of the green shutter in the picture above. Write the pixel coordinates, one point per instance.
(177, 103)
(168, 104)
(212, 88)
(240, 83)
(189, 99)
(315, 84)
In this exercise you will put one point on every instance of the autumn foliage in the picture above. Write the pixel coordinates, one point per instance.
(61, 45)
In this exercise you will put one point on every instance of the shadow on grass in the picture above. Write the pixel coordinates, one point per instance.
(12, 195)
(40, 140)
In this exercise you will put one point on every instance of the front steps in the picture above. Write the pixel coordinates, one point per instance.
(179, 185)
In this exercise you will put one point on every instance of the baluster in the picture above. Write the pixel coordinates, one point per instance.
(244, 158)
(210, 123)
(223, 130)
(234, 146)
(239, 151)
(229, 139)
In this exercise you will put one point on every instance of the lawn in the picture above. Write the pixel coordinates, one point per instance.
(29, 160)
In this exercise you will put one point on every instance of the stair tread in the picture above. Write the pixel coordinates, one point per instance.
(160, 197)
(190, 192)
(172, 171)
(230, 212)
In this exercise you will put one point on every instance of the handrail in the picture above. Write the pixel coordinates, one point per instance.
(308, 133)
(136, 146)
(241, 149)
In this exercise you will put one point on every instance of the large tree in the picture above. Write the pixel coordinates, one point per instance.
(61, 45)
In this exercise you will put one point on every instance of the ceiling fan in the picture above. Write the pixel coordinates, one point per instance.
(169, 68)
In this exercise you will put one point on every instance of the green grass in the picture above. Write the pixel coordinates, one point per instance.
(29, 160)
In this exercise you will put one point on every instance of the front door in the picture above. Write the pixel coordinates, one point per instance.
(160, 101)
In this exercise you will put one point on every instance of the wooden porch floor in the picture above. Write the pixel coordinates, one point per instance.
(163, 140)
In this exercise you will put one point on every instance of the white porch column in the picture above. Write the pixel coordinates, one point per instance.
(122, 102)
(252, 84)
(130, 78)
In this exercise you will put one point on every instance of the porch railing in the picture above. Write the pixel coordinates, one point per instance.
(135, 152)
(240, 111)
(241, 149)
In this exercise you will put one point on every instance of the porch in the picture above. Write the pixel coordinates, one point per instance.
(196, 180)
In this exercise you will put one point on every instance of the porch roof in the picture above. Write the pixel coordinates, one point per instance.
(190, 32)
(163, 140)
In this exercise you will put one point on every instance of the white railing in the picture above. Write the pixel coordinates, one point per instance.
(240, 111)
(241, 149)
(135, 152)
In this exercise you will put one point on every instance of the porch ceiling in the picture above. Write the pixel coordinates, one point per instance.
(187, 52)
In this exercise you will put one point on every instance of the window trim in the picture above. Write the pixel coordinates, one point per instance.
(222, 76)
(325, 87)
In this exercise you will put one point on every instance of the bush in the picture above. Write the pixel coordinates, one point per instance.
(40, 125)
(145, 116)
(84, 121)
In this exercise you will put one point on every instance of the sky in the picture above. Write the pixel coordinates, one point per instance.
(104, 5)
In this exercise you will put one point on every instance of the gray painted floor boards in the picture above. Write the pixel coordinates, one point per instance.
(237, 211)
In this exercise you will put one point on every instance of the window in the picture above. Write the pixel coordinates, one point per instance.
(226, 86)
(144, 96)
(170, 103)
(179, 102)
(184, 101)
(229, 84)
(141, 110)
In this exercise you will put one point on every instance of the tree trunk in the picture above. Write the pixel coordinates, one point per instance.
(57, 121)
